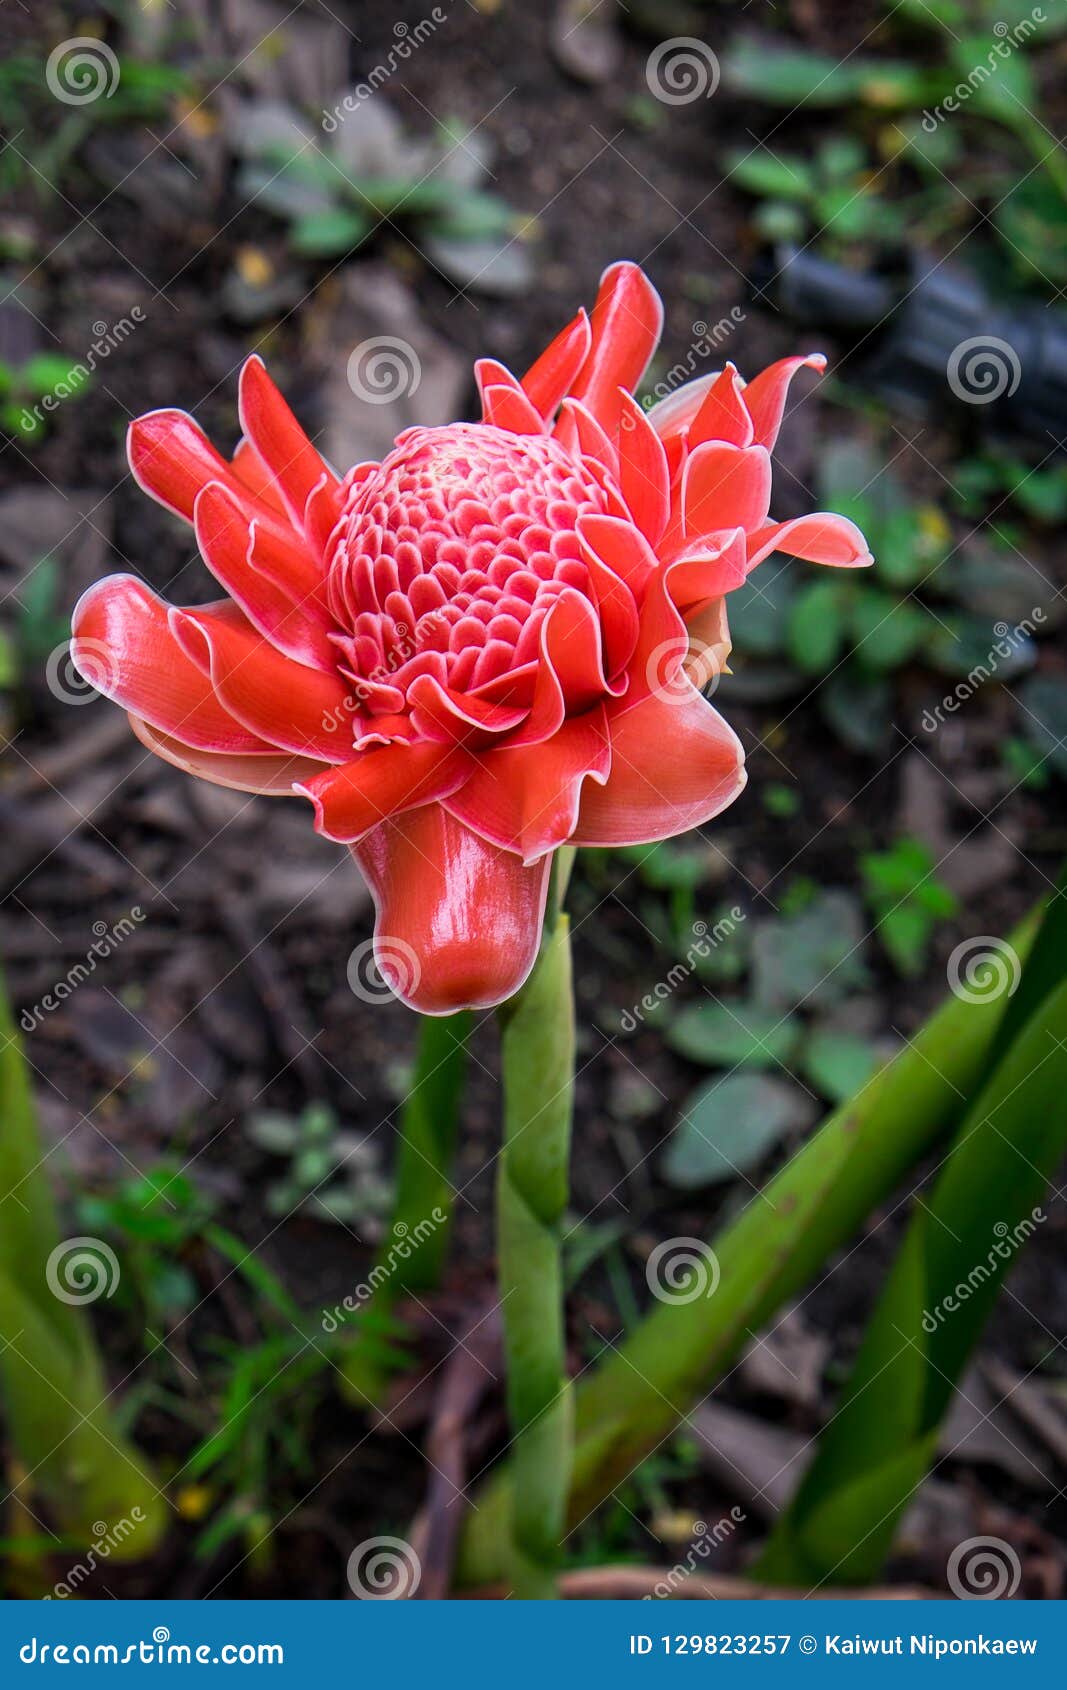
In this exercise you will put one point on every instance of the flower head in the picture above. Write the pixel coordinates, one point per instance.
(482, 648)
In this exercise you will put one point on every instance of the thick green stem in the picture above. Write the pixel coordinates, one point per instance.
(532, 1188)
(52, 1391)
(413, 1252)
(634, 1398)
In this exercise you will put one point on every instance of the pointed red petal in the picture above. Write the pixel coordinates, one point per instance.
(626, 324)
(650, 795)
(290, 706)
(459, 920)
(765, 395)
(123, 645)
(508, 408)
(820, 537)
(249, 467)
(172, 460)
(255, 569)
(723, 415)
(722, 487)
(643, 477)
(279, 439)
(551, 376)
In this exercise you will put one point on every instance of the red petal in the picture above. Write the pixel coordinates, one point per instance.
(672, 416)
(172, 460)
(622, 547)
(643, 476)
(616, 607)
(551, 376)
(352, 800)
(652, 795)
(527, 799)
(249, 467)
(266, 772)
(765, 395)
(722, 487)
(287, 704)
(820, 537)
(508, 408)
(571, 644)
(123, 645)
(256, 569)
(279, 439)
(441, 713)
(590, 439)
(459, 920)
(626, 324)
(723, 415)
(707, 569)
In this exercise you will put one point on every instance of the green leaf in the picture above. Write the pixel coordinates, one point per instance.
(771, 175)
(817, 625)
(1032, 223)
(796, 76)
(723, 1034)
(1043, 701)
(729, 1126)
(322, 234)
(858, 706)
(983, 1208)
(838, 1064)
(813, 957)
(887, 631)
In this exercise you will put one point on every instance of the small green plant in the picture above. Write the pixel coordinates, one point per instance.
(23, 386)
(828, 194)
(907, 901)
(331, 1174)
(360, 173)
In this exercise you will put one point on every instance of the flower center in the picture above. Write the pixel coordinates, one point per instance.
(449, 556)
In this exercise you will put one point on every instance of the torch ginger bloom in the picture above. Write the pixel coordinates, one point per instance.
(482, 648)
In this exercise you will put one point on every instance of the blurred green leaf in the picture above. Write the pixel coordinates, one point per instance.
(724, 1034)
(729, 1126)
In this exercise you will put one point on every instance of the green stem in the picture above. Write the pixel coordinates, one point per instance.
(412, 1255)
(775, 1247)
(532, 1188)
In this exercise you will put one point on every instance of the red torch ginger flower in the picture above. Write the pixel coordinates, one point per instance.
(482, 648)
